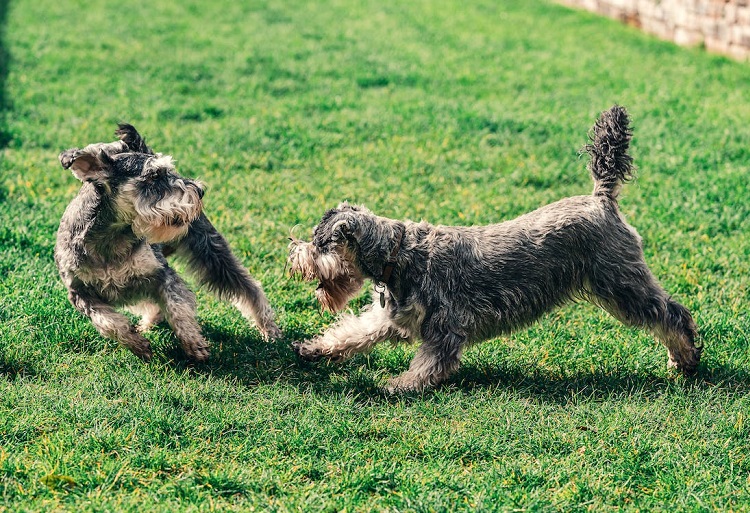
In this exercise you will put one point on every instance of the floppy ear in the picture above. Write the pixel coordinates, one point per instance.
(344, 228)
(87, 165)
(130, 136)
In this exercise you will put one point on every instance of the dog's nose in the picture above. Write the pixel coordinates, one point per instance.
(200, 190)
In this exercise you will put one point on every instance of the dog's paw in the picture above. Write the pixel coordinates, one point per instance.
(307, 352)
(144, 326)
(686, 362)
(271, 333)
(198, 353)
(403, 384)
(143, 352)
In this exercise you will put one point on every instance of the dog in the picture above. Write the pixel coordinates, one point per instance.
(455, 286)
(132, 211)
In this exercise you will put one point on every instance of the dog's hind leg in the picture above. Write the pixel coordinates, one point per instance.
(110, 323)
(177, 302)
(632, 295)
(677, 331)
(351, 335)
(211, 261)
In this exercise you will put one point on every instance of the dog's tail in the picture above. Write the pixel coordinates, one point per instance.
(610, 163)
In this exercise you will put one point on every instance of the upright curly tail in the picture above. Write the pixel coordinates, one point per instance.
(610, 163)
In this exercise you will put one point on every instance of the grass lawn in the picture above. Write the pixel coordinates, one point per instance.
(449, 111)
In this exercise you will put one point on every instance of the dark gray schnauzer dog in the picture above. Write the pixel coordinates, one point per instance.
(454, 286)
(132, 210)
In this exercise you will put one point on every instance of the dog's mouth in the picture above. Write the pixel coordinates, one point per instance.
(162, 229)
(334, 294)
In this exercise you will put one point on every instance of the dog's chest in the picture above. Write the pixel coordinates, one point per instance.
(115, 278)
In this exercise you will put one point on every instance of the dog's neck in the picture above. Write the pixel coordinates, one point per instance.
(379, 249)
(104, 236)
(390, 264)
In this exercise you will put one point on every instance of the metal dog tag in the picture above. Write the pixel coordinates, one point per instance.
(380, 288)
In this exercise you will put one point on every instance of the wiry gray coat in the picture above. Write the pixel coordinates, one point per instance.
(132, 210)
(454, 286)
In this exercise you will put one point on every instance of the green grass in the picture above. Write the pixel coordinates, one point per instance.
(455, 112)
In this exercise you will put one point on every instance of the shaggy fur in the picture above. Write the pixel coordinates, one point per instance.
(132, 210)
(455, 286)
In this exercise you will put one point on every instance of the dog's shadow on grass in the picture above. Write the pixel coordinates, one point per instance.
(252, 361)
(598, 385)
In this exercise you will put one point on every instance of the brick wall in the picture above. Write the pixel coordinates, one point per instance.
(722, 26)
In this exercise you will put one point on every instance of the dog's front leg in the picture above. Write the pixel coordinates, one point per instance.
(110, 323)
(436, 359)
(352, 335)
(177, 302)
(212, 262)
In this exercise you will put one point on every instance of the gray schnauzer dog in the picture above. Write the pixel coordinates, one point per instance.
(455, 286)
(133, 210)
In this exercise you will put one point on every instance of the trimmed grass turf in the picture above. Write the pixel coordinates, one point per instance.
(452, 112)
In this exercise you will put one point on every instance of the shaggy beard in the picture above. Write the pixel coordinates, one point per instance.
(338, 279)
(160, 233)
(167, 220)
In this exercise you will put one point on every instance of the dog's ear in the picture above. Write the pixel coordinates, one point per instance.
(88, 164)
(335, 227)
(134, 141)
(344, 227)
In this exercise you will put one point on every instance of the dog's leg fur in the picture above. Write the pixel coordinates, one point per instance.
(211, 261)
(633, 296)
(150, 314)
(352, 335)
(178, 303)
(436, 359)
(110, 323)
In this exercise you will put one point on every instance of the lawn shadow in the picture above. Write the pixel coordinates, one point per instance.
(12, 368)
(596, 385)
(252, 361)
(244, 356)
(5, 135)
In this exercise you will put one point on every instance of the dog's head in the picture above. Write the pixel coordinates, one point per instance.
(331, 258)
(144, 188)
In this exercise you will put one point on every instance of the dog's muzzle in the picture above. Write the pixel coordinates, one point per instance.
(338, 279)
